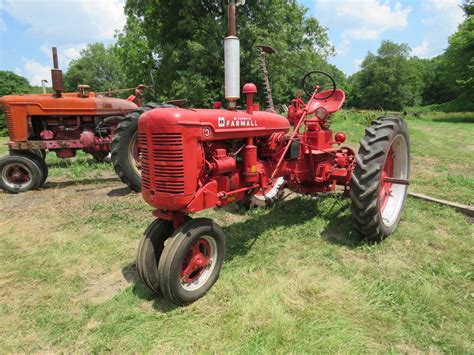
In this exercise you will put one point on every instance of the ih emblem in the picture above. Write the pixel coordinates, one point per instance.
(221, 121)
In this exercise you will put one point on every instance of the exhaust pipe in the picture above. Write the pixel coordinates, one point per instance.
(232, 59)
(56, 75)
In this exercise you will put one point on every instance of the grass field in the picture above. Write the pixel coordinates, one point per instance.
(295, 278)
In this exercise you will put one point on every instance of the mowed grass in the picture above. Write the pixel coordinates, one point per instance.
(295, 278)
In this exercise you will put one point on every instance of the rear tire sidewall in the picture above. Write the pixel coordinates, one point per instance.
(387, 230)
(127, 133)
(171, 264)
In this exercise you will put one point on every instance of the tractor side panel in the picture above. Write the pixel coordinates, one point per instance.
(18, 126)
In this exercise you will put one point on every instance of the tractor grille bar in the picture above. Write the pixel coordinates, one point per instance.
(9, 121)
(145, 161)
(168, 162)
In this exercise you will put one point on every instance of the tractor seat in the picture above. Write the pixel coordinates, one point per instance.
(331, 104)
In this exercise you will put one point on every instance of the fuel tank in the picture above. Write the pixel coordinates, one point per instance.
(171, 143)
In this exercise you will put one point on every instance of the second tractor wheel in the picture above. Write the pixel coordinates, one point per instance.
(19, 173)
(38, 159)
(149, 252)
(125, 153)
(380, 178)
(191, 261)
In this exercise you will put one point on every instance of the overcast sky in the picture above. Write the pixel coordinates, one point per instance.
(29, 28)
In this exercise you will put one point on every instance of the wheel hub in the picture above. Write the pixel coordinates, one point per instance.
(17, 174)
(197, 259)
(385, 186)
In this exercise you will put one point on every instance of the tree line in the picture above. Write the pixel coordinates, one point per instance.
(176, 47)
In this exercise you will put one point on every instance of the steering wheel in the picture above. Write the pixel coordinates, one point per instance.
(322, 80)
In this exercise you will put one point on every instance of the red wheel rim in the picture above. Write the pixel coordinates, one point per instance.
(386, 187)
(17, 174)
(196, 261)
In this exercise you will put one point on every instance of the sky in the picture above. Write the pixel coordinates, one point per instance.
(29, 28)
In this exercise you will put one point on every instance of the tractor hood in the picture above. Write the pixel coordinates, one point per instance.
(66, 105)
(217, 124)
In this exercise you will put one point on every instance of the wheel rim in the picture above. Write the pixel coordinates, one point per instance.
(392, 196)
(134, 155)
(16, 176)
(198, 263)
(261, 197)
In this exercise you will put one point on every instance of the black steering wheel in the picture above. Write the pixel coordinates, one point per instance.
(322, 80)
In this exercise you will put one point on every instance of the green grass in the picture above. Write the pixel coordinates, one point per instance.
(295, 278)
(3, 146)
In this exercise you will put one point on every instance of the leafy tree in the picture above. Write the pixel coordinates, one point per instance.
(458, 62)
(450, 76)
(468, 7)
(98, 66)
(11, 83)
(138, 63)
(185, 40)
(387, 79)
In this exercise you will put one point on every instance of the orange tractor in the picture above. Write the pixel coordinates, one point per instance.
(67, 122)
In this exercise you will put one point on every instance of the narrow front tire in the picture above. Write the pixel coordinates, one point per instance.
(191, 261)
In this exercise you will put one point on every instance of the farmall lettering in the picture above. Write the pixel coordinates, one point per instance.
(237, 122)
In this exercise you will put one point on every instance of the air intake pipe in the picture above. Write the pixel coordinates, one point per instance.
(232, 59)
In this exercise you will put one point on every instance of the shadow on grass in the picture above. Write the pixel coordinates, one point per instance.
(242, 236)
(64, 184)
(122, 191)
(130, 274)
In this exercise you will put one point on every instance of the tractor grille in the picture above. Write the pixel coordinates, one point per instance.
(9, 120)
(168, 162)
(145, 160)
(163, 167)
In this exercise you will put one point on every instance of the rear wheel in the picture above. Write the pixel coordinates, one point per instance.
(191, 261)
(380, 178)
(19, 173)
(125, 152)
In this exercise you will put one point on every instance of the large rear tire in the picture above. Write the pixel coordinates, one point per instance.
(125, 153)
(384, 154)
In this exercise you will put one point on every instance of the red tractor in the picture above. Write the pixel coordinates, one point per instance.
(67, 122)
(196, 159)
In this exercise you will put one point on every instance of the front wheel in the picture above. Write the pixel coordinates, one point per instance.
(380, 178)
(191, 261)
(149, 252)
(19, 173)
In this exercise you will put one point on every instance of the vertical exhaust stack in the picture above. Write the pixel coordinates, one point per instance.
(232, 59)
(57, 75)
